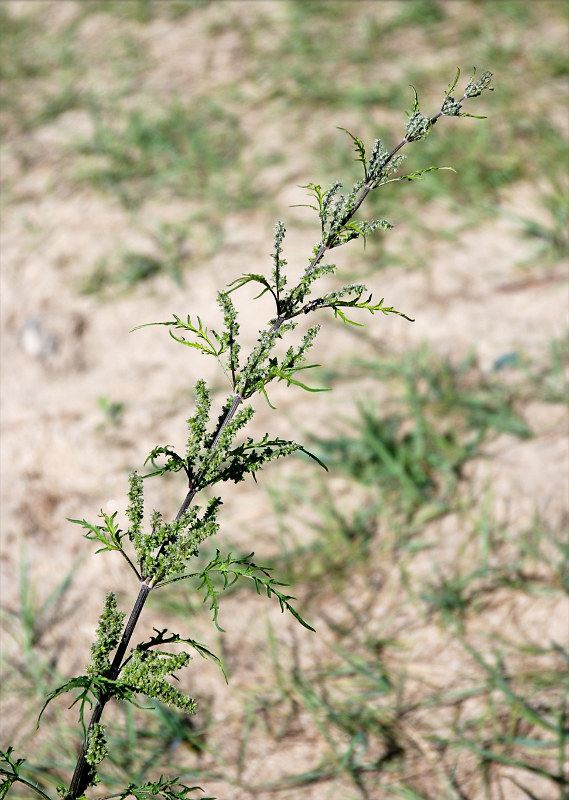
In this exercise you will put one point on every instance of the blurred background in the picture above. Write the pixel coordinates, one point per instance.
(149, 147)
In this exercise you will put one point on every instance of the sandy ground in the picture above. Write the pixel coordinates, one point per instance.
(62, 351)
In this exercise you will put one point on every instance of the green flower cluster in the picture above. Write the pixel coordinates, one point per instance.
(146, 671)
(476, 88)
(166, 549)
(418, 125)
(96, 745)
(109, 633)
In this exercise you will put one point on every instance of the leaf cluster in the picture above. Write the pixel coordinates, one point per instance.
(143, 671)
(206, 465)
(168, 788)
(94, 689)
(10, 773)
(336, 210)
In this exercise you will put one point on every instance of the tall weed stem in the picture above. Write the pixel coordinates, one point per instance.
(214, 454)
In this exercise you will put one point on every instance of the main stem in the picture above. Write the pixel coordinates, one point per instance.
(81, 776)
(237, 400)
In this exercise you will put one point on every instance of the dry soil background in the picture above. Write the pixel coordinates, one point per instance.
(63, 350)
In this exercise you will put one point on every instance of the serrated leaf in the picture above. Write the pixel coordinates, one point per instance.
(359, 148)
(248, 278)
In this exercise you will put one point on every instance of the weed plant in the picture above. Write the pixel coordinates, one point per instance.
(161, 551)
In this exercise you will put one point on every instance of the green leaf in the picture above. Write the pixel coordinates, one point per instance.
(175, 638)
(413, 176)
(168, 788)
(248, 278)
(10, 770)
(231, 570)
(174, 462)
(359, 148)
(315, 190)
(203, 342)
(81, 681)
(452, 86)
(109, 536)
(95, 529)
(372, 308)
(93, 688)
(284, 374)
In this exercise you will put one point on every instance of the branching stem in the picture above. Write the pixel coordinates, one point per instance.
(83, 775)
